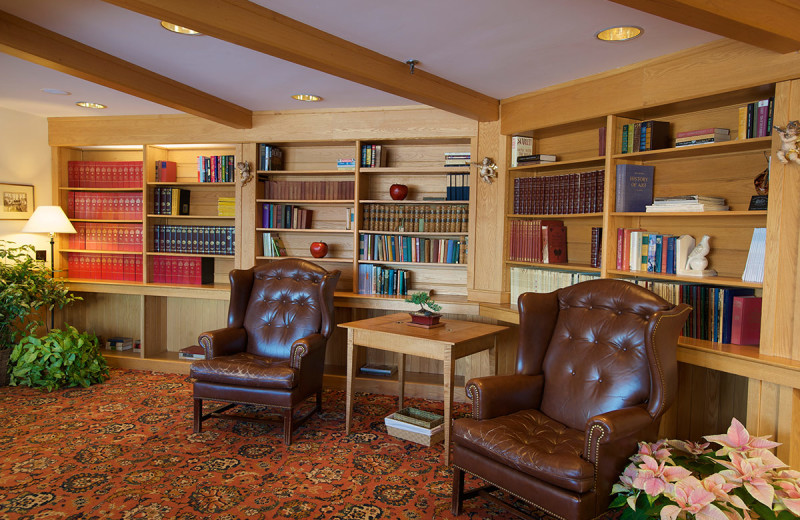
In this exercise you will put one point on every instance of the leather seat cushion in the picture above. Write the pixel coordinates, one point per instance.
(532, 443)
(245, 369)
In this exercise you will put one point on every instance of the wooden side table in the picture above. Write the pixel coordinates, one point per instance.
(454, 340)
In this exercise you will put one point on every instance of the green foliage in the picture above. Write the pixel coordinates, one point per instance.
(424, 299)
(61, 358)
(26, 286)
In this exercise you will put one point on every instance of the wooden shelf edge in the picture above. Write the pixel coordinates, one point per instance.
(726, 281)
(550, 217)
(759, 213)
(558, 267)
(206, 292)
(588, 161)
(193, 184)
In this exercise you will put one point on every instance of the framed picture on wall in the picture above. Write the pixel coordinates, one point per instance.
(16, 201)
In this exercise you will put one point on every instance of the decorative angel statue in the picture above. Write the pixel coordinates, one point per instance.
(487, 169)
(789, 137)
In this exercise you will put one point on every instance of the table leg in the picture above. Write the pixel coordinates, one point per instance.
(401, 377)
(449, 379)
(493, 357)
(351, 370)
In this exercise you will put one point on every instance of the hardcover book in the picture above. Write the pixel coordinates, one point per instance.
(634, 187)
(746, 320)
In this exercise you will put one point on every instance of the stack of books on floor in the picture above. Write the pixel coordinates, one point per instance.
(416, 425)
(686, 203)
(537, 158)
(455, 159)
(702, 136)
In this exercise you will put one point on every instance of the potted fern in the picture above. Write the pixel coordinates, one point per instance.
(426, 317)
(27, 290)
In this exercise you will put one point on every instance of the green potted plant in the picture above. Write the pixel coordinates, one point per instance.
(64, 357)
(27, 289)
(427, 317)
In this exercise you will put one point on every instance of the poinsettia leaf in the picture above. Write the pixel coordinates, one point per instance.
(619, 501)
(763, 511)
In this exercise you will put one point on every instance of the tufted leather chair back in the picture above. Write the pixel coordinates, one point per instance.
(600, 355)
(287, 299)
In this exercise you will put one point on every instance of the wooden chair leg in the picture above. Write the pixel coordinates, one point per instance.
(198, 414)
(458, 491)
(319, 400)
(287, 426)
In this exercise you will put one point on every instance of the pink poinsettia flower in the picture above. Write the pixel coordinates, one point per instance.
(751, 474)
(693, 498)
(658, 450)
(788, 494)
(695, 448)
(652, 477)
(625, 480)
(721, 489)
(738, 439)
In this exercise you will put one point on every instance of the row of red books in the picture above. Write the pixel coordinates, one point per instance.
(106, 237)
(187, 270)
(559, 194)
(96, 266)
(309, 190)
(104, 174)
(105, 206)
(540, 241)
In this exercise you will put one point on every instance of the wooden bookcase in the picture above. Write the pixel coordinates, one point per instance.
(725, 169)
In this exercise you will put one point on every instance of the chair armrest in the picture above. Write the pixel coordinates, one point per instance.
(311, 346)
(632, 424)
(493, 396)
(223, 342)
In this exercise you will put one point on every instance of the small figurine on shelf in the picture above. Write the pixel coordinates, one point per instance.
(789, 137)
(690, 259)
(424, 317)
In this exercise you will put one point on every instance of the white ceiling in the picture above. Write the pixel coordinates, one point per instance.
(500, 48)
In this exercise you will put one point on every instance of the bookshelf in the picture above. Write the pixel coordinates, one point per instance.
(723, 169)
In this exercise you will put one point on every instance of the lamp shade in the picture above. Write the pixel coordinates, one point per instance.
(49, 219)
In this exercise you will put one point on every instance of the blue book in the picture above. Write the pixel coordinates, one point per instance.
(634, 187)
(659, 253)
(670, 255)
(651, 253)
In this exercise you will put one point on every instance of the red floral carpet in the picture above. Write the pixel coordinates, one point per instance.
(125, 449)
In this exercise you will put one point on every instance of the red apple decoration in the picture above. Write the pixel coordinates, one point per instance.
(398, 191)
(318, 249)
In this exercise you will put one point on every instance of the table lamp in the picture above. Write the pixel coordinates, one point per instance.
(49, 219)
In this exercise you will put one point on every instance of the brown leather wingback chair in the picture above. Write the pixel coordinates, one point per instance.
(596, 369)
(273, 350)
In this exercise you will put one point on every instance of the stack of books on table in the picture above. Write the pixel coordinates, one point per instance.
(702, 136)
(416, 425)
(686, 203)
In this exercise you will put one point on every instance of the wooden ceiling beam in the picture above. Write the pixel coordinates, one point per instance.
(768, 24)
(249, 25)
(36, 44)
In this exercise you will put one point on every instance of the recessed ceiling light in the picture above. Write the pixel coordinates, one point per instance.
(306, 97)
(56, 91)
(619, 34)
(89, 104)
(178, 29)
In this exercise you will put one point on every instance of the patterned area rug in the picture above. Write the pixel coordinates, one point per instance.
(125, 449)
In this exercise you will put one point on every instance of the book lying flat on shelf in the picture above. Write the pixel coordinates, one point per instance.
(536, 158)
(193, 352)
(378, 370)
(687, 203)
